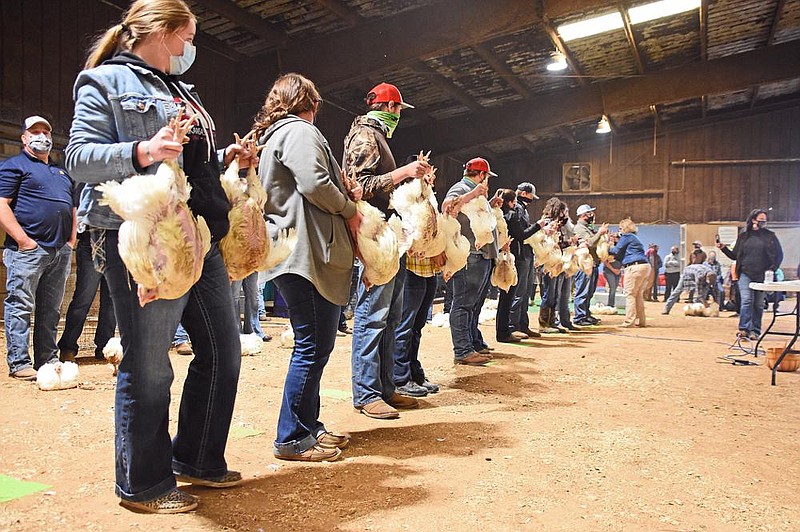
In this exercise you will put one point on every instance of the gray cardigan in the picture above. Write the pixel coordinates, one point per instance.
(305, 190)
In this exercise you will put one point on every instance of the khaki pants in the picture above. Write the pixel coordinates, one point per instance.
(635, 280)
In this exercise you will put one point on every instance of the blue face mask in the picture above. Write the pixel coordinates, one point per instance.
(178, 64)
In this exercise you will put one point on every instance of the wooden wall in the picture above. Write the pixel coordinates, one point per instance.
(43, 44)
(629, 180)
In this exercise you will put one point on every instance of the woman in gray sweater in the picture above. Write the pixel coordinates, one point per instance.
(305, 189)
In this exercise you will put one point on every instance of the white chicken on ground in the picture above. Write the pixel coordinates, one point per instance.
(57, 376)
(161, 242)
(112, 352)
(416, 204)
(252, 344)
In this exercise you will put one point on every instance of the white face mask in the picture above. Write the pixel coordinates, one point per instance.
(40, 143)
(178, 64)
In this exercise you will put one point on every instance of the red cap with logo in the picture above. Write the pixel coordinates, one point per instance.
(479, 164)
(385, 93)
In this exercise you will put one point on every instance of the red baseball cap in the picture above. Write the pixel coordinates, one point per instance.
(479, 164)
(385, 93)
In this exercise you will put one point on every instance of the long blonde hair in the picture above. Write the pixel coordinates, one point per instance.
(627, 226)
(290, 94)
(140, 20)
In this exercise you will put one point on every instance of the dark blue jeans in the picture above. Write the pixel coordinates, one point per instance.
(585, 285)
(377, 315)
(87, 280)
(470, 285)
(612, 282)
(145, 456)
(417, 299)
(314, 320)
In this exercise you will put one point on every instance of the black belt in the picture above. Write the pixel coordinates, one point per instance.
(636, 262)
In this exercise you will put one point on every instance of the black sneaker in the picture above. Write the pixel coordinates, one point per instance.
(412, 389)
(432, 388)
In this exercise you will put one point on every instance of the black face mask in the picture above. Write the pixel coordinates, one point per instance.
(590, 219)
(761, 225)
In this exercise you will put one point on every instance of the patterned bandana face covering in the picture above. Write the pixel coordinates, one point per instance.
(390, 120)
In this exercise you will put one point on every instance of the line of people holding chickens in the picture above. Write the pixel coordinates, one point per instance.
(167, 233)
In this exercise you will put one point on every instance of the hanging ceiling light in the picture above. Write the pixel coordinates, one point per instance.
(558, 62)
(603, 126)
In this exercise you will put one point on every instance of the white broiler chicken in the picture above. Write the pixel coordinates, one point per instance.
(280, 248)
(502, 228)
(247, 244)
(252, 344)
(456, 250)
(380, 243)
(417, 206)
(481, 220)
(57, 376)
(569, 262)
(584, 259)
(287, 338)
(112, 352)
(504, 273)
(693, 309)
(161, 242)
(712, 310)
(602, 248)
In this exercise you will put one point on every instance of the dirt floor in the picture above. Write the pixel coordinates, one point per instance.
(603, 429)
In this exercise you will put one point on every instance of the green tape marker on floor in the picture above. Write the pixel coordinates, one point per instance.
(12, 488)
(243, 432)
(335, 394)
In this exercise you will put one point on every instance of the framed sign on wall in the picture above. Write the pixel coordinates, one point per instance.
(576, 177)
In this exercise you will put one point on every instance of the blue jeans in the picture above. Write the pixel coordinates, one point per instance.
(522, 293)
(249, 285)
(417, 300)
(377, 315)
(87, 280)
(470, 285)
(585, 285)
(612, 282)
(751, 306)
(145, 456)
(181, 336)
(35, 279)
(314, 320)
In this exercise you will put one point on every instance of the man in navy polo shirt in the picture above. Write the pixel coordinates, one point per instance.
(37, 214)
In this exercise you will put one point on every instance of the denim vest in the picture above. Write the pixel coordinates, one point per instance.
(115, 106)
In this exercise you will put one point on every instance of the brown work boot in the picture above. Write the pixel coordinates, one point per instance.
(473, 359)
(329, 440)
(401, 401)
(25, 374)
(315, 453)
(378, 410)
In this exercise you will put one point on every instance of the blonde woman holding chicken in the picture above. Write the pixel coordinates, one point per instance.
(306, 192)
(124, 99)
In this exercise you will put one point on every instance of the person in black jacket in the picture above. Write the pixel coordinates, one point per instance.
(757, 250)
(518, 229)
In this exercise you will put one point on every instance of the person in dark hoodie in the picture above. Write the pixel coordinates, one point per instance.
(756, 251)
(124, 99)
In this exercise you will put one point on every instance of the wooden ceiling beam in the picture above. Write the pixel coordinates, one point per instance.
(726, 74)
(346, 55)
(555, 38)
(342, 11)
(245, 19)
(703, 30)
(502, 69)
(445, 85)
(629, 35)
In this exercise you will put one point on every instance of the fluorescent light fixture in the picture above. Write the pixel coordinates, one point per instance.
(592, 26)
(557, 62)
(661, 9)
(603, 126)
